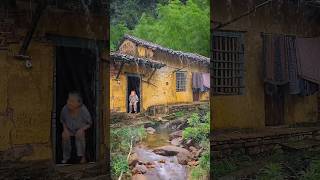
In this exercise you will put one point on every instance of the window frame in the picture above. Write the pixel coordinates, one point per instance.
(178, 88)
(220, 74)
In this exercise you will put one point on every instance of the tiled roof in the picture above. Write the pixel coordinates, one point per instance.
(136, 60)
(191, 56)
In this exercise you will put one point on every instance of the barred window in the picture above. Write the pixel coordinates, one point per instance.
(228, 63)
(181, 79)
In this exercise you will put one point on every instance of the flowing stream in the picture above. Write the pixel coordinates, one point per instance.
(163, 167)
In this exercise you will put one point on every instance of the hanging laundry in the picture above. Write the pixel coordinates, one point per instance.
(200, 82)
(308, 53)
(282, 63)
(206, 80)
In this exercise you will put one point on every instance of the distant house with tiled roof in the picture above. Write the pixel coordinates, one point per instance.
(159, 75)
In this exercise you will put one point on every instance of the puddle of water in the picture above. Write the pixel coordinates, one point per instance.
(158, 139)
(155, 140)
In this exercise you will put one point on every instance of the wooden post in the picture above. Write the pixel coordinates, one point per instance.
(154, 70)
(121, 66)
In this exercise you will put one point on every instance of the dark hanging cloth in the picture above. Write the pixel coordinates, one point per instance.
(297, 84)
(308, 54)
(276, 71)
(293, 79)
(307, 88)
(281, 66)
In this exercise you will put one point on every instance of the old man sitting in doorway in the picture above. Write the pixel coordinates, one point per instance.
(133, 101)
(76, 119)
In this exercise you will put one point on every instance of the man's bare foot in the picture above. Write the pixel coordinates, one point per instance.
(83, 160)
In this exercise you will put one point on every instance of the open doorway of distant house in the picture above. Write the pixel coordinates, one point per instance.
(133, 84)
(75, 70)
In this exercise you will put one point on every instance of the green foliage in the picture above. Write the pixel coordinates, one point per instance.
(271, 171)
(198, 129)
(121, 137)
(230, 164)
(224, 167)
(204, 160)
(198, 173)
(280, 165)
(129, 12)
(120, 145)
(125, 14)
(313, 172)
(179, 114)
(116, 33)
(179, 26)
(184, 27)
(119, 164)
(194, 120)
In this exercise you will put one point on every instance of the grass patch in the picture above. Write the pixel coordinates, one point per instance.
(120, 146)
(179, 113)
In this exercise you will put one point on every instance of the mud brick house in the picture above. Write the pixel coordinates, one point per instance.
(48, 48)
(159, 75)
(258, 67)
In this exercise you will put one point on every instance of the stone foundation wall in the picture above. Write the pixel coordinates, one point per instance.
(168, 109)
(255, 145)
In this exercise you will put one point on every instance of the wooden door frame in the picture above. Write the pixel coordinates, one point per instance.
(95, 46)
(140, 87)
(267, 113)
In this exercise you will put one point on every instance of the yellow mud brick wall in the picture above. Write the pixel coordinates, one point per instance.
(301, 109)
(161, 88)
(29, 93)
(248, 110)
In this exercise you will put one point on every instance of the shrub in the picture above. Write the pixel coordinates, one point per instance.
(271, 171)
(119, 164)
(120, 145)
(198, 129)
(179, 114)
(313, 172)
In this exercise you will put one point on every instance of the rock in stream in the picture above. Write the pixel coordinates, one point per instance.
(152, 166)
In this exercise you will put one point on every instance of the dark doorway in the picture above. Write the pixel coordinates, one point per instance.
(75, 71)
(274, 107)
(133, 84)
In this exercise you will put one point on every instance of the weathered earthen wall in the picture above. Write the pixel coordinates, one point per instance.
(26, 94)
(161, 88)
(248, 110)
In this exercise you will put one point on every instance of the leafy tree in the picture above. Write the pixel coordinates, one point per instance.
(117, 32)
(179, 26)
(128, 12)
(173, 24)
